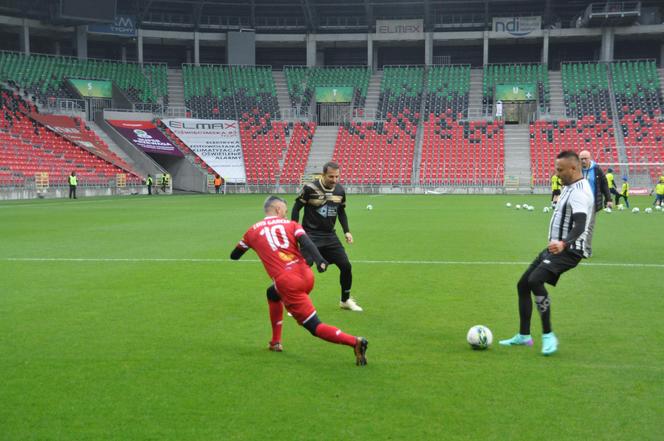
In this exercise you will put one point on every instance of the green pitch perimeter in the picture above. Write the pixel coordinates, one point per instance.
(122, 319)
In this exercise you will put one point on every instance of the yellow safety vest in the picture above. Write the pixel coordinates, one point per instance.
(609, 179)
(625, 189)
(556, 184)
(73, 181)
(659, 189)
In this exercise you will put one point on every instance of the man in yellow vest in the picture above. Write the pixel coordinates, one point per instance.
(659, 193)
(556, 186)
(611, 180)
(624, 192)
(73, 183)
(164, 182)
(149, 183)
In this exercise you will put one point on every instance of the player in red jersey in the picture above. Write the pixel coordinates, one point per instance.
(275, 239)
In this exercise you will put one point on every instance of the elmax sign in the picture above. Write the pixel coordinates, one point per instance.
(399, 29)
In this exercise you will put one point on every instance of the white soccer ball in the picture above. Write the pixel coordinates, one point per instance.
(369, 207)
(508, 205)
(530, 208)
(648, 210)
(620, 207)
(479, 337)
(635, 210)
(658, 207)
(546, 209)
(518, 207)
(607, 210)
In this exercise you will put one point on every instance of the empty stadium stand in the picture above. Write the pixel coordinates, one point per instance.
(298, 152)
(263, 144)
(227, 92)
(448, 88)
(376, 153)
(44, 76)
(27, 148)
(586, 90)
(547, 138)
(462, 153)
(516, 74)
(401, 92)
(302, 82)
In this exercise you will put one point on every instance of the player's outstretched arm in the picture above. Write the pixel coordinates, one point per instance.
(295, 212)
(237, 253)
(311, 253)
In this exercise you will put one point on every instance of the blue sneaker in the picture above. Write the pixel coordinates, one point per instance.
(518, 340)
(549, 343)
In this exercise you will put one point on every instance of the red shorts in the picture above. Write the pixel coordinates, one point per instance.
(294, 285)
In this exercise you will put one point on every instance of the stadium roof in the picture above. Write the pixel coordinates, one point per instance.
(321, 15)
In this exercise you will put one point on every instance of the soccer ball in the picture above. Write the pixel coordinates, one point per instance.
(369, 207)
(546, 209)
(508, 205)
(479, 337)
(635, 210)
(620, 207)
(607, 209)
(530, 208)
(518, 207)
(658, 208)
(648, 210)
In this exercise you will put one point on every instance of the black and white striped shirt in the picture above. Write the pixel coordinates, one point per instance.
(575, 198)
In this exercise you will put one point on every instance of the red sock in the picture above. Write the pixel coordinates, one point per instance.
(276, 319)
(334, 335)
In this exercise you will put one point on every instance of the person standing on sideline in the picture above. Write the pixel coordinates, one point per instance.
(73, 183)
(217, 183)
(149, 182)
(598, 185)
(624, 192)
(611, 182)
(659, 193)
(556, 186)
(164, 182)
(569, 236)
(324, 200)
(275, 239)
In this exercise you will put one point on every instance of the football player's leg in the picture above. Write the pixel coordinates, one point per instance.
(276, 310)
(336, 254)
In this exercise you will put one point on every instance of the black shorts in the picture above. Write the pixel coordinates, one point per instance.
(555, 193)
(548, 267)
(330, 248)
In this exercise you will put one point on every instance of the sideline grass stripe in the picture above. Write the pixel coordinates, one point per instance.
(370, 262)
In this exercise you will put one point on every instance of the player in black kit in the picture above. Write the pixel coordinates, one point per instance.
(324, 200)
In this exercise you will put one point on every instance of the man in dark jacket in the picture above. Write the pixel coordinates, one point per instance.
(597, 180)
(599, 186)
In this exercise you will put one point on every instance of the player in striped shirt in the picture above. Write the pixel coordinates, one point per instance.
(569, 238)
(275, 240)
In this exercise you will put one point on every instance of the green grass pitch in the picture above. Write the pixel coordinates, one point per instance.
(123, 319)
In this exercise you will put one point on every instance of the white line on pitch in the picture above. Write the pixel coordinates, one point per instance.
(370, 262)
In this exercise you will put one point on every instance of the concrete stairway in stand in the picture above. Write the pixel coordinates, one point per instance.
(175, 88)
(517, 158)
(322, 148)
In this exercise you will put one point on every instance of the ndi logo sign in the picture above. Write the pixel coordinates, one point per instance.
(517, 26)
